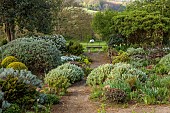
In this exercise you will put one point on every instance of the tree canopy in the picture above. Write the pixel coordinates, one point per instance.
(143, 21)
(102, 22)
(74, 22)
(32, 15)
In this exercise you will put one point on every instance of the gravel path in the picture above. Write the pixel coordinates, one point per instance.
(98, 59)
(76, 101)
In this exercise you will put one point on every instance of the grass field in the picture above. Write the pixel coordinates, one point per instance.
(103, 44)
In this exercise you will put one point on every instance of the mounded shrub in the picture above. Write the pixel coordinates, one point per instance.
(7, 60)
(19, 87)
(26, 76)
(127, 72)
(74, 48)
(17, 66)
(38, 55)
(71, 71)
(57, 82)
(123, 80)
(99, 74)
(16, 91)
(58, 41)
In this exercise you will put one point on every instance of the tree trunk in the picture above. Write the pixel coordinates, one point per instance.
(7, 31)
(10, 31)
(110, 54)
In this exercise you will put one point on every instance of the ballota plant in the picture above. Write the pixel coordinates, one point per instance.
(17, 66)
(12, 62)
(7, 60)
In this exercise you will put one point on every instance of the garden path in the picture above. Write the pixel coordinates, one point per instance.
(98, 59)
(77, 98)
(76, 101)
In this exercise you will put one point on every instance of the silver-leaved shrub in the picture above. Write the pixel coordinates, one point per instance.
(70, 71)
(38, 55)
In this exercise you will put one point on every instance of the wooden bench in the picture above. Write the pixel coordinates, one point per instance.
(94, 47)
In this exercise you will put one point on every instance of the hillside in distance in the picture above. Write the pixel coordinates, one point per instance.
(110, 1)
(104, 4)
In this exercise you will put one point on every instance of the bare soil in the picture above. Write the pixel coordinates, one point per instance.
(77, 99)
(98, 59)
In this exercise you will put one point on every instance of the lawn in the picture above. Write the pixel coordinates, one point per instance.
(103, 44)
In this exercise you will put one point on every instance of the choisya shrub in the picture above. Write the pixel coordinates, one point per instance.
(7, 60)
(19, 87)
(165, 61)
(71, 71)
(38, 55)
(17, 66)
(74, 48)
(99, 74)
(122, 57)
(57, 82)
